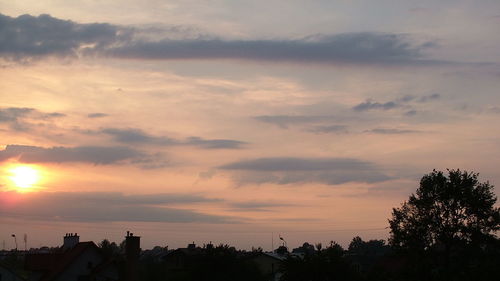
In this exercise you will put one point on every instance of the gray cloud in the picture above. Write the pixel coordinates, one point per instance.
(137, 136)
(430, 97)
(215, 143)
(12, 114)
(404, 101)
(287, 170)
(410, 113)
(97, 115)
(22, 118)
(364, 48)
(284, 121)
(97, 155)
(493, 109)
(27, 37)
(336, 129)
(369, 105)
(257, 206)
(391, 131)
(106, 207)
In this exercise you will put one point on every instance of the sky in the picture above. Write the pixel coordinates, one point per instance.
(238, 121)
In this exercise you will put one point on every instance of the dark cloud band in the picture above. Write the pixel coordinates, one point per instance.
(27, 37)
(105, 207)
(98, 155)
(284, 170)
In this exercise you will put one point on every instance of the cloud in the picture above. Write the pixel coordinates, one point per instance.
(430, 97)
(389, 131)
(97, 115)
(410, 113)
(493, 109)
(257, 206)
(284, 121)
(137, 136)
(369, 105)
(336, 129)
(28, 37)
(12, 114)
(404, 101)
(215, 143)
(97, 155)
(22, 118)
(287, 170)
(357, 48)
(105, 207)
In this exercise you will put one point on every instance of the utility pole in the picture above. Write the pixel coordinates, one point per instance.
(272, 242)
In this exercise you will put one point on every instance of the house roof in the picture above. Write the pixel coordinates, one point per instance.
(54, 264)
(5, 267)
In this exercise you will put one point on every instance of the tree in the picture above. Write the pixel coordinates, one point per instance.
(444, 211)
(446, 215)
(110, 249)
(325, 264)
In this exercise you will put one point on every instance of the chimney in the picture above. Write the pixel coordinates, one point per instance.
(132, 252)
(70, 240)
(191, 246)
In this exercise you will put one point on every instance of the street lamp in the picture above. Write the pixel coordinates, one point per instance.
(15, 240)
(284, 242)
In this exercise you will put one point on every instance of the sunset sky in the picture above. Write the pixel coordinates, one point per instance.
(236, 121)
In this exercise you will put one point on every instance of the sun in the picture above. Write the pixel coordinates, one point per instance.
(24, 177)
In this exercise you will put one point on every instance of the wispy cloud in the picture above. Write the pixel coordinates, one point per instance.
(97, 115)
(357, 48)
(106, 207)
(22, 118)
(391, 131)
(330, 129)
(28, 37)
(257, 206)
(284, 121)
(370, 105)
(138, 136)
(402, 102)
(97, 155)
(287, 170)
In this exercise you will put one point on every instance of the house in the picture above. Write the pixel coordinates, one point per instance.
(269, 264)
(75, 261)
(177, 259)
(7, 274)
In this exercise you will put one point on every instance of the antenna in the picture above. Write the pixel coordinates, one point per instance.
(25, 242)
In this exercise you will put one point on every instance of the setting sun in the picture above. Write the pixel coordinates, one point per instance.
(24, 176)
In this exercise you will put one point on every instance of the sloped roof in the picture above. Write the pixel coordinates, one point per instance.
(5, 267)
(54, 264)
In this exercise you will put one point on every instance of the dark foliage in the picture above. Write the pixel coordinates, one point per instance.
(446, 231)
(322, 265)
(221, 263)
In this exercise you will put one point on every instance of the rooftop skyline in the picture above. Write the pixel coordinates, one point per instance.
(230, 121)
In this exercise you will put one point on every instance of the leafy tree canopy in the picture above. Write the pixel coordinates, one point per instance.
(446, 210)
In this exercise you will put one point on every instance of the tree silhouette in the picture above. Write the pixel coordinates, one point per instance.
(446, 215)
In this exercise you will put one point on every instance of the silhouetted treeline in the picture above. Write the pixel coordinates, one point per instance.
(223, 263)
(372, 260)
